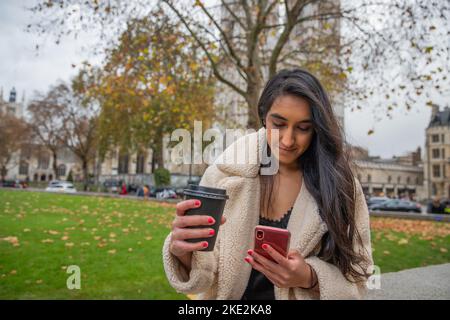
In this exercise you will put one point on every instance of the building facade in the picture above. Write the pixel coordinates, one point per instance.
(437, 155)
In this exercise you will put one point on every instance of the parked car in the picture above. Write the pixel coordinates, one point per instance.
(397, 205)
(163, 192)
(10, 184)
(376, 200)
(112, 185)
(195, 180)
(64, 187)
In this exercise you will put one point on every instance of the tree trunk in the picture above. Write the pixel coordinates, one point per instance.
(55, 165)
(159, 160)
(153, 161)
(253, 92)
(85, 174)
(3, 172)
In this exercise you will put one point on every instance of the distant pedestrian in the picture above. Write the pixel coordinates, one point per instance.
(146, 191)
(124, 189)
(447, 207)
(140, 192)
(435, 206)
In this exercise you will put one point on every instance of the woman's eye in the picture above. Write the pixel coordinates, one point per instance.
(304, 128)
(278, 125)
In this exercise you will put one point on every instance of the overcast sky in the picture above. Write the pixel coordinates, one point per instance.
(27, 70)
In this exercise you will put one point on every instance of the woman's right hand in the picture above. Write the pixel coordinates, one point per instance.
(178, 246)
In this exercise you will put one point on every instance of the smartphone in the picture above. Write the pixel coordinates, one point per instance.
(277, 238)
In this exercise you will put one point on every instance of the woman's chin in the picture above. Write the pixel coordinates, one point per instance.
(284, 160)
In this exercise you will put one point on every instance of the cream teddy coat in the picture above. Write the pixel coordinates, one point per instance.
(223, 273)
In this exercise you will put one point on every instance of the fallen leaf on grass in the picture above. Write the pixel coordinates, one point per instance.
(386, 252)
(13, 240)
(39, 281)
(403, 241)
(148, 238)
(443, 250)
(47, 241)
(13, 272)
(64, 238)
(26, 230)
(130, 249)
(69, 244)
(113, 251)
(53, 232)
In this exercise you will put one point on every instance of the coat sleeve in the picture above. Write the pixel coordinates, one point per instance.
(332, 283)
(204, 264)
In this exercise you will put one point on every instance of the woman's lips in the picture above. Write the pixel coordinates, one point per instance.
(287, 150)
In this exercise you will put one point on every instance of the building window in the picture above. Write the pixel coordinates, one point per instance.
(389, 179)
(23, 168)
(443, 153)
(442, 138)
(369, 178)
(62, 170)
(408, 180)
(435, 153)
(123, 164)
(433, 189)
(399, 179)
(140, 163)
(436, 171)
(417, 180)
(435, 138)
(43, 162)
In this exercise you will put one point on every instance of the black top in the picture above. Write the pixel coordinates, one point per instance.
(259, 287)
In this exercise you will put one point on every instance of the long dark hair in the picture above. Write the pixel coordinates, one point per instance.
(326, 171)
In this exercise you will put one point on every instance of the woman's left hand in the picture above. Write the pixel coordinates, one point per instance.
(288, 272)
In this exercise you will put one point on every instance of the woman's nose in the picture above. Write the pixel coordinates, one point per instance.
(287, 140)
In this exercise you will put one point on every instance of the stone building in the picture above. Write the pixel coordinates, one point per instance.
(437, 154)
(398, 177)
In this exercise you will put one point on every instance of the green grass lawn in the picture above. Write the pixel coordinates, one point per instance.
(117, 245)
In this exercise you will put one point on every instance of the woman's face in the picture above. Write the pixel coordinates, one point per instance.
(291, 115)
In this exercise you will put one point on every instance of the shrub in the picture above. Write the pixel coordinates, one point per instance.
(162, 177)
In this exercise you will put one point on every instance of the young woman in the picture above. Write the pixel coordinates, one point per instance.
(313, 194)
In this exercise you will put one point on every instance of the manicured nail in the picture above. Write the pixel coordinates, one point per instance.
(211, 232)
(247, 259)
(210, 220)
(250, 252)
(265, 246)
(197, 203)
(205, 244)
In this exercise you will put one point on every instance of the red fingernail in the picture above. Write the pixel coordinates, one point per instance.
(247, 259)
(205, 244)
(265, 246)
(250, 252)
(210, 220)
(211, 232)
(197, 203)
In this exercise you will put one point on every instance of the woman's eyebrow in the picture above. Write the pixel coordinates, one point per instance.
(277, 116)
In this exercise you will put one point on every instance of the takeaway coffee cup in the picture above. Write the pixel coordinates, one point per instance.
(212, 204)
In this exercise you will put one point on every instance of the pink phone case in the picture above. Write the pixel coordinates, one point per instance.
(277, 238)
